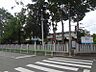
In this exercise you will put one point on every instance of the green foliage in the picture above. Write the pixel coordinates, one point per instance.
(94, 38)
(27, 23)
(4, 18)
(10, 31)
(77, 8)
(36, 11)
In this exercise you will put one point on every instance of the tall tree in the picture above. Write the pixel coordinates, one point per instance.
(77, 8)
(27, 23)
(10, 31)
(21, 20)
(4, 18)
(34, 18)
(94, 38)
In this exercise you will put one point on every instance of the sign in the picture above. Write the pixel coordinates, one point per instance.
(73, 44)
(87, 39)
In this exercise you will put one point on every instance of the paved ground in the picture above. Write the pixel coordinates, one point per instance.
(14, 62)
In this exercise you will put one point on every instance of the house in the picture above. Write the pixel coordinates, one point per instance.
(50, 37)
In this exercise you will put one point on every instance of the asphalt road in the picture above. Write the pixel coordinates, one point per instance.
(14, 62)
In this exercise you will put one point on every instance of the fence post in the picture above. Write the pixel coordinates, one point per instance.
(10, 48)
(14, 47)
(67, 45)
(54, 46)
(27, 48)
(76, 50)
(21, 48)
(35, 47)
(45, 46)
(5, 47)
(52, 49)
(1, 47)
(92, 50)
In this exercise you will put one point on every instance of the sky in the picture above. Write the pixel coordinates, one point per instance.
(89, 21)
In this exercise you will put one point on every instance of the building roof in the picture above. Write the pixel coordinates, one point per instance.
(61, 32)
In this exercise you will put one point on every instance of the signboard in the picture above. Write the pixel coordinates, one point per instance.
(73, 45)
(87, 39)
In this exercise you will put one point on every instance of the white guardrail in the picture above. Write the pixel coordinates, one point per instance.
(86, 48)
(48, 48)
(30, 48)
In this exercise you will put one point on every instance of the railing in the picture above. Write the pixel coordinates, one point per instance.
(86, 48)
(35, 49)
(49, 49)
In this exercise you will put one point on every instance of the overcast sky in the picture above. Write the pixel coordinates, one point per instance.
(89, 21)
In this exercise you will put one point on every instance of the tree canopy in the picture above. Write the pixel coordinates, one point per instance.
(27, 23)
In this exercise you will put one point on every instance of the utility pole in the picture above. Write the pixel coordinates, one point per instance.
(70, 44)
(54, 33)
(77, 32)
(77, 22)
(62, 31)
(62, 26)
(42, 28)
(61, 19)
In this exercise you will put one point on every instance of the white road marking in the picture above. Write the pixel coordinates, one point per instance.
(73, 59)
(70, 64)
(24, 56)
(86, 70)
(43, 68)
(58, 66)
(20, 69)
(77, 62)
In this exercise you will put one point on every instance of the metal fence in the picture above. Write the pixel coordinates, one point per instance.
(49, 49)
(85, 48)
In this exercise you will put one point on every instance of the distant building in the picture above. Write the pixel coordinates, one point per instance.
(59, 37)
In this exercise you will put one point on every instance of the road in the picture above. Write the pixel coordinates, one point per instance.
(14, 62)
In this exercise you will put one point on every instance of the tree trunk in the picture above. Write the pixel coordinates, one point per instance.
(19, 37)
(62, 31)
(54, 34)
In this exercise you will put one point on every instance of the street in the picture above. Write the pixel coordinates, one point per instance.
(15, 62)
